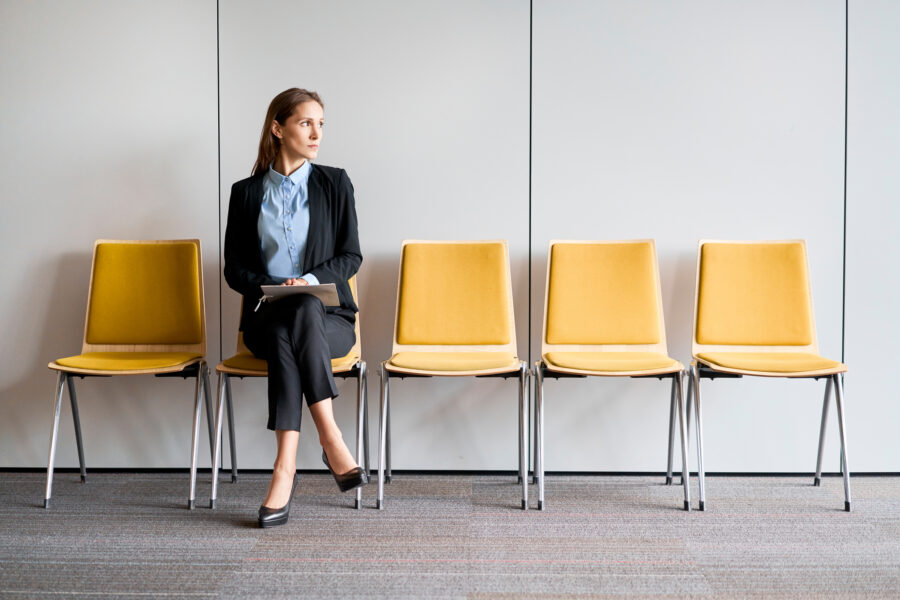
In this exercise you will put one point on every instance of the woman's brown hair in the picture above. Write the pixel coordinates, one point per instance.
(280, 109)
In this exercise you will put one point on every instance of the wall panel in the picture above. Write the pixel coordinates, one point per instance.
(109, 131)
(873, 236)
(682, 121)
(426, 108)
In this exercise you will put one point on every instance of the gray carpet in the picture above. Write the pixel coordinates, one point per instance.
(130, 536)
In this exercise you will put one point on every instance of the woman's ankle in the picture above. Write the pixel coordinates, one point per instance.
(284, 470)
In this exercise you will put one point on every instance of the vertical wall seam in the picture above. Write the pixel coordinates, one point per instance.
(219, 199)
(530, 87)
(846, 95)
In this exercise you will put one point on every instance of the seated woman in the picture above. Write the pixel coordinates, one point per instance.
(294, 223)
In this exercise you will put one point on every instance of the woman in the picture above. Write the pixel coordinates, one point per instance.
(294, 223)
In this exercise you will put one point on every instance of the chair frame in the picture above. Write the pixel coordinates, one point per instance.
(543, 370)
(356, 370)
(196, 368)
(521, 372)
(701, 369)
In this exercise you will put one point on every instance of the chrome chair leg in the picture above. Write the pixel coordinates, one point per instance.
(695, 375)
(54, 431)
(195, 437)
(360, 406)
(382, 426)
(207, 401)
(223, 378)
(533, 418)
(387, 428)
(817, 481)
(77, 420)
(523, 434)
(366, 424)
(682, 420)
(231, 439)
(839, 400)
(671, 433)
(539, 430)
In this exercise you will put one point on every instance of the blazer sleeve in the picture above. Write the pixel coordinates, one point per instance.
(241, 248)
(347, 254)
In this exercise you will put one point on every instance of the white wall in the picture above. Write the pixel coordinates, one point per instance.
(426, 106)
(667, 120)
(873, 236)
(680, 121)
(108, 114)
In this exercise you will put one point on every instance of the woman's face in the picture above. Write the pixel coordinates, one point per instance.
(302, 131)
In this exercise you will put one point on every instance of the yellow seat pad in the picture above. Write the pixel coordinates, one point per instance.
(611, 362)
(454, 361)
(771, 362)
(245, 361)
(127, 361)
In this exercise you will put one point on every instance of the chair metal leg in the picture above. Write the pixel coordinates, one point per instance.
(207, 401)
(671, 432)
(689, 406)
(523, 434)
(360, 406)
(195, 437)
(539, 431)
(519, 474)
(77, 421)
(382, 426)
(817, 481)
(695, 375)
(54, 431)
(220, 402)
(231, 439)
(533, 418)
(366, 424)
(839, 400)
(387, 427)
(682, 420)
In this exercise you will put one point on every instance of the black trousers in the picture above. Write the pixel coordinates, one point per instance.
(298, 339)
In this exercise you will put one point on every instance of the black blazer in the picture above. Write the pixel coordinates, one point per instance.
(332, 246)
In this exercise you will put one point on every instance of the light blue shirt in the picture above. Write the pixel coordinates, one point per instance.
(283, 224)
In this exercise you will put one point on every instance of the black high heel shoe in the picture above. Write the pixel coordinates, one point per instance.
(350, 480)
(272, 517)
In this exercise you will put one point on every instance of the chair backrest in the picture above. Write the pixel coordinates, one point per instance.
(603, 296)
(356, 350)
(753, 297)
(454, 296)
(146, 296)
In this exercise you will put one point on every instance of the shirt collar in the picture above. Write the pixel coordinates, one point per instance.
(301, 175)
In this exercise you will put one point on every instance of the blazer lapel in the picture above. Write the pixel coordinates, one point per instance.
(254, 205)
(314, 193)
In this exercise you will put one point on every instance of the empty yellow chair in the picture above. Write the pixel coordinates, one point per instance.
(244, 364)
(454, 318)
(145, 316)
(753, 315)
(603, 317)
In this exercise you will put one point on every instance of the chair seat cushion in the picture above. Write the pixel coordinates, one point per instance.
(771, 362)
(128, 361)
(611, 362)
(245, 361)
(454, 361)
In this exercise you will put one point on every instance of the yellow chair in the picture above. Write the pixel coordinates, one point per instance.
(244, 364)
(454, 318)
(753, 315)
(145, 316)
(603, 317)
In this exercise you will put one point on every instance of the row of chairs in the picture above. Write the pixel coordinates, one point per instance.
(603, 317)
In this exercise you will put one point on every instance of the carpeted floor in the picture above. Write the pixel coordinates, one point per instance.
(130, 535)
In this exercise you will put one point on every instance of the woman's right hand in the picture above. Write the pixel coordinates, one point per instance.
(296, 281)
